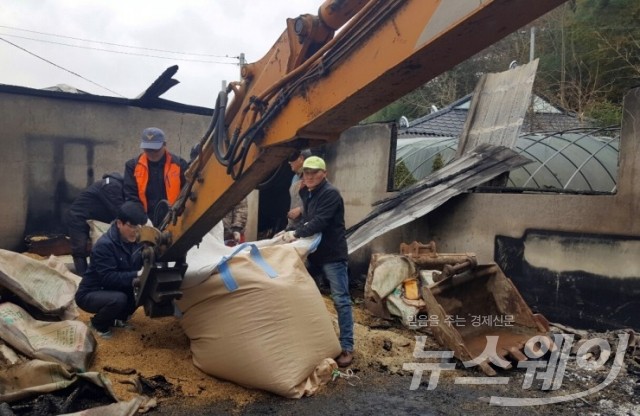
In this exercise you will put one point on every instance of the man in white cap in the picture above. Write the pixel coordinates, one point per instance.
(323, 212)
(155, 177)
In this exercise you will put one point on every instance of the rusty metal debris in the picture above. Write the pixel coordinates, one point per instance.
(123, 371)
(491, 308)
(473, 310)
(424, 256)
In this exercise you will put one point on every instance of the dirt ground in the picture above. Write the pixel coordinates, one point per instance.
(157, 349)
(154, 359)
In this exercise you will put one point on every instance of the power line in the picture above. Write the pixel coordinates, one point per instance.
(58, 66)
(116, 44)
(121, 52)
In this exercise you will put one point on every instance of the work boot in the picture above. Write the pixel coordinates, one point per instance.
(80, 265)
(345, 358)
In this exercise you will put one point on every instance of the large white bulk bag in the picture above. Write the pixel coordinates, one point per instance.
(258, 320)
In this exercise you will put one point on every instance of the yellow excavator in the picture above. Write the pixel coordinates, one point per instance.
(324, 74)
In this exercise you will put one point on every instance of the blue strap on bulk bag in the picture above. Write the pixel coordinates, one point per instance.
(315, 243)
(225, 273)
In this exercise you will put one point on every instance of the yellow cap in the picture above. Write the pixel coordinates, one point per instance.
(314, 162)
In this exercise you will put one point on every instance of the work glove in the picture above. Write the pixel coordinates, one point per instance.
(237, 236)
(135, 282)
(289, 236)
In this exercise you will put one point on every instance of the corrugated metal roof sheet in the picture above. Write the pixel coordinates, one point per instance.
(498, 108)
(474, 168)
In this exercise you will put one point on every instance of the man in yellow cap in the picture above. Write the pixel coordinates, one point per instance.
(323, 212)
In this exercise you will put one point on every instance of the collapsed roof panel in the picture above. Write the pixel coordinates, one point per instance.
(498, 108)
(472, 169)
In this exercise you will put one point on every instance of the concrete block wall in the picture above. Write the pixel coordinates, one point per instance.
(54, 148)
(359, 165)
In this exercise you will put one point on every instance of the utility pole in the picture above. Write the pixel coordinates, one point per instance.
(241, 61)
(532, 53)
(562, 61)
(532, 44)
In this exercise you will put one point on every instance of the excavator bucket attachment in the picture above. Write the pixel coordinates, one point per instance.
(473, 310)
(159, 289)
(483, 319)
(159, 283)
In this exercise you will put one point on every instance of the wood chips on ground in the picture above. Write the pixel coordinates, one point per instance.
(159, 347)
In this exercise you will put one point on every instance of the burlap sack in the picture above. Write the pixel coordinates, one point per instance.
(36, 377)
(38, 284)
(386, 272)
(96, 229)
(69, 343)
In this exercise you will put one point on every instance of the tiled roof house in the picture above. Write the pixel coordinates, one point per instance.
(449, 121)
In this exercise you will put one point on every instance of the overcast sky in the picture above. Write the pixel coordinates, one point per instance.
(217, 30)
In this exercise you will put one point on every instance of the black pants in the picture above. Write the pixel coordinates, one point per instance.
(108, 305)
(79, 239)
(78, 230)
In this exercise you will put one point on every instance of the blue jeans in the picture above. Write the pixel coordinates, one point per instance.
(336, 274)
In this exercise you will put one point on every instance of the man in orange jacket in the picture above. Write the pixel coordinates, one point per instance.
(155, 177)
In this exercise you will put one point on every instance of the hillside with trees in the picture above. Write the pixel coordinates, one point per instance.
(589, 52)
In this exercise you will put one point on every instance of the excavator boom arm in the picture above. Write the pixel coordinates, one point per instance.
(312, 86)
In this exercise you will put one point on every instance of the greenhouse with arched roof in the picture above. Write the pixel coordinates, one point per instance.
(580, 160)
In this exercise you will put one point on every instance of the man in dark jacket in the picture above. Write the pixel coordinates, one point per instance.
(100, 201)
(323, 212)
(155, 177)
(107, 287)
